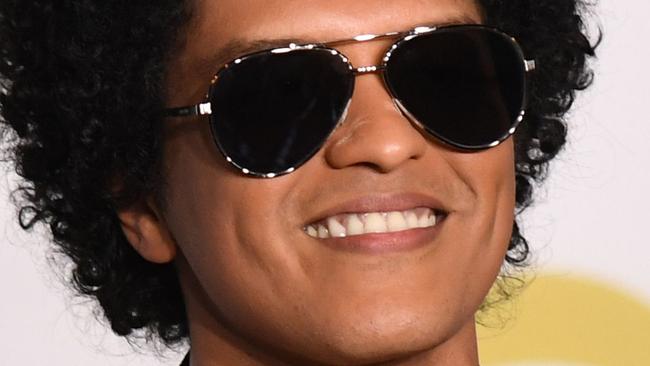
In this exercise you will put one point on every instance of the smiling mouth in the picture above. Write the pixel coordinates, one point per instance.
(354, 224)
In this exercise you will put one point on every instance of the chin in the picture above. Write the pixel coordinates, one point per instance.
(387, 336)
(376, 349)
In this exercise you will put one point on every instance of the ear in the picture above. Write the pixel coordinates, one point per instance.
(146, 229)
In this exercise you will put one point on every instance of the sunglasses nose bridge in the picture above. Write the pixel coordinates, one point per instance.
(372, 69)
(380, 71)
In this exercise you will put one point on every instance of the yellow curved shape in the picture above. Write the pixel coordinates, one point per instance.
(560, 319)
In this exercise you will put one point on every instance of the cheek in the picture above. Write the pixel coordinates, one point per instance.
(232, 230)
(228, 229)
(486, 223)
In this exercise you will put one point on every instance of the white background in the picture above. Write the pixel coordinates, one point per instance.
(590, 218)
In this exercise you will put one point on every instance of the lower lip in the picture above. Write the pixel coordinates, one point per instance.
(381, 243)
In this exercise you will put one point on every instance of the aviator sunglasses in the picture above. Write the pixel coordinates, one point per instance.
(271, 111)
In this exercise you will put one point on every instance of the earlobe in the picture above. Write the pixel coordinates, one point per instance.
(146, 230)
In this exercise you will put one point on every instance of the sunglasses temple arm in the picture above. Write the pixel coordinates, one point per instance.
(195, 110)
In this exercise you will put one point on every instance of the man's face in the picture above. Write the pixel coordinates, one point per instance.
(247, 266)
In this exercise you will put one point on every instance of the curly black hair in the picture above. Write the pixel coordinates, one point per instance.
(81, 103)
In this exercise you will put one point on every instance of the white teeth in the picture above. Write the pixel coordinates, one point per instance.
(375, 223)
(426, 220)
(322, 232)
(335, 229)
(423, 221)
(354, 226)
(344, 225)
(411, 219)
(433, 220)
(395, 221)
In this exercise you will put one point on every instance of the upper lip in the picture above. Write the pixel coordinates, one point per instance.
(381, 203)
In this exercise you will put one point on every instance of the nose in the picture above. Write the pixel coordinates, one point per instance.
(374, 133)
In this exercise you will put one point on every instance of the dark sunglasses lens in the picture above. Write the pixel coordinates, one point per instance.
(273, 111)
(464, 85)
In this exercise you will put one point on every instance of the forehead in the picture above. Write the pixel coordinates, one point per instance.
(224, 29)
(221, 21)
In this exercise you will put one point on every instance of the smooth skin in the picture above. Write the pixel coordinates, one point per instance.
(258, 290)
